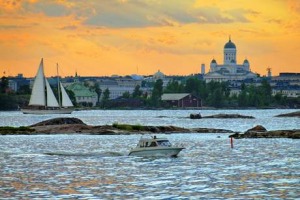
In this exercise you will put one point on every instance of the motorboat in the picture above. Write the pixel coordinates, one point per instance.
(154, 146)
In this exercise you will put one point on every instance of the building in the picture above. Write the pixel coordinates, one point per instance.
(287, 84)
(181, 100)
(83, 95)
(229, 70)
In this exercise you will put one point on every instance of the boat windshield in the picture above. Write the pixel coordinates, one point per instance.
(165, 143)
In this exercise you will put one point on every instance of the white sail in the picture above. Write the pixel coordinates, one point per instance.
(66, 101)
(51, 99)
(38, 97)
(38, 90)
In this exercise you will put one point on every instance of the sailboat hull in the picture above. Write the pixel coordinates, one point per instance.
(47, 111)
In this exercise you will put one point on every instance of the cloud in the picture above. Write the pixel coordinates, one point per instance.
(69, 28)
(48, 8)
(10, 5)
(238, 15)
(211, 15)
(130, 13)
(276, 21)
(11, 27)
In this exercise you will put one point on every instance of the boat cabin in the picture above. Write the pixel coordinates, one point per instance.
(153, 142)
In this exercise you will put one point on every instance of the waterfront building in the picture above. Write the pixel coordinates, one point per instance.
(229, 70)
(287, 84)
(181, 100)
(83, 95)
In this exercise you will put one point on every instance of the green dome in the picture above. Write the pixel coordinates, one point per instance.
(246, 61)
(229, 45)
(214, 61)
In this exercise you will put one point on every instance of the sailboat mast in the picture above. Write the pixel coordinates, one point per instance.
(58, 87)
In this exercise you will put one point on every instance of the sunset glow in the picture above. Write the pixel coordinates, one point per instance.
(106, 37)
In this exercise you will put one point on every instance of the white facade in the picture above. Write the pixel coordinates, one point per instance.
(229, 70)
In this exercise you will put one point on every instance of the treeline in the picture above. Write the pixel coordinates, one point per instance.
(212, 94)
(9, 100)
(217, 94)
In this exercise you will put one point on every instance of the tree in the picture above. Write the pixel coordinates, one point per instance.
(4, 84)
(72, 96)
(126, 95)
(155, 99)
(98, 92)
(192, 86)
(24, 89)
(105, 98)
(266, 92)
(137, 92)
(174, 87)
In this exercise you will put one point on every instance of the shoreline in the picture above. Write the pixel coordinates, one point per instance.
(76, 126)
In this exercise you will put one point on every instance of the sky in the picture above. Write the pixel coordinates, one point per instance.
(124, 37)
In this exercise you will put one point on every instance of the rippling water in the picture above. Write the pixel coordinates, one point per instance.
(166, 117)
(97, 167)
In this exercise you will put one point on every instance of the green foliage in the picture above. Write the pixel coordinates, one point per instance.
(174, 87)
(3, 84)
(98, 92)
(15, 130)
(24, 89)
(72, 96)
(128, 127)
(137, 92)
(105, 98)
(257, 96)
(126, 95)
(157, 91)
(13, 101)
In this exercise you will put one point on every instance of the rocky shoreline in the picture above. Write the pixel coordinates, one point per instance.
(76, 126)
(292, 114)
(261, 132)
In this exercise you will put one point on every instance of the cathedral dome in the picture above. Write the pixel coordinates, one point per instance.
(213, 61)
(229, 45)
(158, 75)
(246, 61)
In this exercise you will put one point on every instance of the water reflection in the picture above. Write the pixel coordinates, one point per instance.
(97, 167)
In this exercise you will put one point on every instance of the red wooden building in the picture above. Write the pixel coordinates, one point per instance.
(181, 100)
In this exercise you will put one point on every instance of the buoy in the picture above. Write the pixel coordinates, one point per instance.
(231, 142)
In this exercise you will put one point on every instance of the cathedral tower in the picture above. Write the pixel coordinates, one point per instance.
(229, 53)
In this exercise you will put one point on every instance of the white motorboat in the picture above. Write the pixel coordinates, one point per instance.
(154, 146)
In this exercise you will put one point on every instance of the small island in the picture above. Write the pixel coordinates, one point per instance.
(261, 132)
(77, 126)
(292, 114)
(221, 116)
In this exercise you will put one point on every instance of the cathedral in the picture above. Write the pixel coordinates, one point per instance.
(229, 70)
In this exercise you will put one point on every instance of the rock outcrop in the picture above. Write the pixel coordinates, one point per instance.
(229, 116)
(76, 126)
(261, 132)
(195, 116)
(292, 114)
(59, 121)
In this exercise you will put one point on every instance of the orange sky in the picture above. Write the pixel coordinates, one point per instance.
(142, 36)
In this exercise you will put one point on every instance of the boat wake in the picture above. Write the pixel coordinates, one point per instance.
(92, 154)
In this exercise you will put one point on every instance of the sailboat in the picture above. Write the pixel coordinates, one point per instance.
(43, 100)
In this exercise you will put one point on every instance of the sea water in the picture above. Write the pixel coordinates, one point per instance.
(98, 166)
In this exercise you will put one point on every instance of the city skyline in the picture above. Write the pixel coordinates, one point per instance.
(141, 37)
